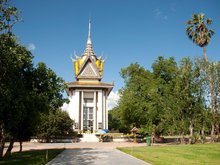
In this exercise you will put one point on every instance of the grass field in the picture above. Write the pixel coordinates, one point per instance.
(198, 154)
(35, 157)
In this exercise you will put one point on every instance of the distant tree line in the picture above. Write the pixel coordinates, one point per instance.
(174, 98)
(30, 96)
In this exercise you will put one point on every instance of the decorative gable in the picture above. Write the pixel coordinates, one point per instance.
(88, 70)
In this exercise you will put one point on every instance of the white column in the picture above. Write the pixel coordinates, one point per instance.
(82, 102)
(94, 112)
(103, 109)
(106, 111)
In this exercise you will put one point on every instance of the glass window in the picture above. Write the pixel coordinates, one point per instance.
(88, 94)
(76, 125)
(88, 100)
(100, 125)
(90, 110)
(88, 97)
(90, 116)
(87, 117)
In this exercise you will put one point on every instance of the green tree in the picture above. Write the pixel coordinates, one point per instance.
(197, 30)
(116, 122)
(146, 96)
(113, 119)
(44, 95)
(168, 100)
(8, 17)
(189, 94)
(214, 79)
(49, 87)
(134, 101)
(55, 124)
(25, 91)
(164, 73)
(15, 70)
(9, 67)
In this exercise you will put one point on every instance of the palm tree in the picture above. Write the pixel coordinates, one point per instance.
(197, 30)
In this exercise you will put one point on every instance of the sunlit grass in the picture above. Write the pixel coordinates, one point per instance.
(200, 154)
(34, 157)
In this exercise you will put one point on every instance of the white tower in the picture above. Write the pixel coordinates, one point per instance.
(88, 94)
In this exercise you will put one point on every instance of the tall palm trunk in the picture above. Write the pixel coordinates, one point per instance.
(204, 53)
(211, 88)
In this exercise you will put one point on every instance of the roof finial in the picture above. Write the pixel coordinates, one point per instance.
(89, 33)
(89, 51)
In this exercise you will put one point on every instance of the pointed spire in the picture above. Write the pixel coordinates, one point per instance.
(89, 51)
(89, 33)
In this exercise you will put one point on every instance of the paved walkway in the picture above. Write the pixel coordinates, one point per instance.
(87, 153)
(95, 156)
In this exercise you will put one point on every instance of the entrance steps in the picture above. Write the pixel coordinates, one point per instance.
(89, 138)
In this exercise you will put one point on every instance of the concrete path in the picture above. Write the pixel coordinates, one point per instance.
(95, 156)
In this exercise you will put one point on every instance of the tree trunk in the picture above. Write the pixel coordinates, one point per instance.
(182, 139)
(211, 88)
(217, 132)
(203, 138)
(213, 132)
(2, 146)
(20, 146)
(191, 132)
(217, 129)
(2, 139)
(8, 152)
(213, 109)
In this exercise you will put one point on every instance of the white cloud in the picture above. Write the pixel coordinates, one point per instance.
(31, 47)
(159, 14)
(112, 100)
(165, 17)
(173, 7)
(65, 107)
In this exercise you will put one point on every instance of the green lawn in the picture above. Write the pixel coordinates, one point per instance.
(35, 157)
(198, 154)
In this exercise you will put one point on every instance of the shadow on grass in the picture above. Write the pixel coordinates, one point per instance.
(32, 157)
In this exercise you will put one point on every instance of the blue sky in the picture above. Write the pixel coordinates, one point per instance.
(124, 31)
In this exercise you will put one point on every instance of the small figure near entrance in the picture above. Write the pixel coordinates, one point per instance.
(152, 138)
(134, 131)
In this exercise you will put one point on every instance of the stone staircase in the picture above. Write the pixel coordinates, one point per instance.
(89, 138)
